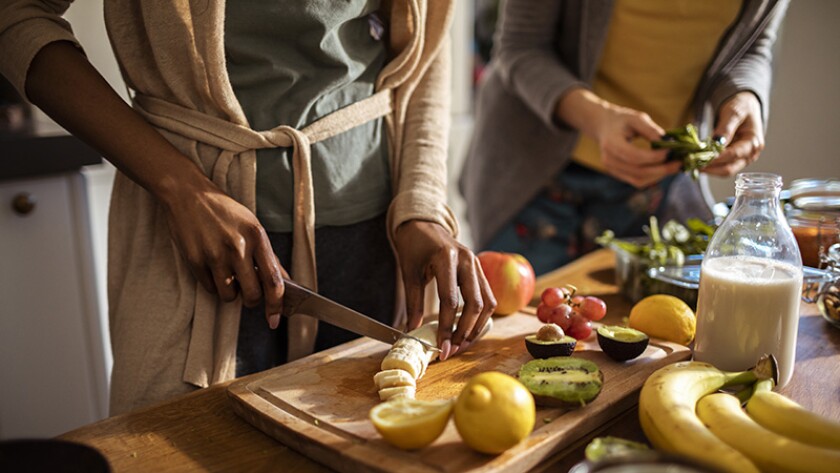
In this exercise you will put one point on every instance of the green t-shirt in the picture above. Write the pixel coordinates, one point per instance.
(292, 62)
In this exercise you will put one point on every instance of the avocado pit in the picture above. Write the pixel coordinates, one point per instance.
(550, 341)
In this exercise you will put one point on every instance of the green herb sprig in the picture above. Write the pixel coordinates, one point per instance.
(666, 246)
(685, 145)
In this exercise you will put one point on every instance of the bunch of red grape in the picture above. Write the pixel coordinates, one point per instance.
(560, 305)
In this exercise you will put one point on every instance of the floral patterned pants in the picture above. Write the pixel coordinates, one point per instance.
(562, 221)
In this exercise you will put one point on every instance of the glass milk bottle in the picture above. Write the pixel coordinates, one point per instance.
(750, 283)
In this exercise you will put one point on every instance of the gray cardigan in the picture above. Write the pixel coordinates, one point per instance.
(546, 48)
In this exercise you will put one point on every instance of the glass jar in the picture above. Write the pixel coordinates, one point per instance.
(828, 299)
(750, 283)
(815, 232)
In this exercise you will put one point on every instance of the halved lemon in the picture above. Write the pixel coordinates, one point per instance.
(410, 424)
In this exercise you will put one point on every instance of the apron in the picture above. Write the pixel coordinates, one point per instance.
(233, 139)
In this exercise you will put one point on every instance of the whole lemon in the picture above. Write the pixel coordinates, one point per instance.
(494, 412)
(666, 317)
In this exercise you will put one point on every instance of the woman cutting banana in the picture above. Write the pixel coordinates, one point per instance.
(263, 136)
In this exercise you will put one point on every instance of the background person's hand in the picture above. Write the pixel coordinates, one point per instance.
(740, 126)
(227, 249)
(425, 251)
(615, 128)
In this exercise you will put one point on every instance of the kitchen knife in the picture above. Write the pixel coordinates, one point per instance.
(299, 300)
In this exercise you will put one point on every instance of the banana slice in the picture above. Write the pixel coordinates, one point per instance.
(393, 378)
(399, 391)
(405, 358)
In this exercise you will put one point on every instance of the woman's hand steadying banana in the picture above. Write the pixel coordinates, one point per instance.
(425, 251)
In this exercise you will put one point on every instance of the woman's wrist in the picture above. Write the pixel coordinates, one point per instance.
(582, 110)
(183, 180)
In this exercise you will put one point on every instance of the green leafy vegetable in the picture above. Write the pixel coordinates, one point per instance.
(685, 145)
(666, 246)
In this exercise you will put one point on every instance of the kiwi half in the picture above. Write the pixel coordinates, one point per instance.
(564, 346)
(562, 381)
(622, 343)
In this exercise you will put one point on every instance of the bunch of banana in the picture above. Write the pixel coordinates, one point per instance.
(667, 412)
(407, 360)
(770, 451)
(783, 416)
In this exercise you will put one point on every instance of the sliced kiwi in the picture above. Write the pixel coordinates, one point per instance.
(622, 343)
(562, 381)
(563, 346)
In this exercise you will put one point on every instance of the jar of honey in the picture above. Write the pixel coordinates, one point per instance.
(815, 231)
(814, 216)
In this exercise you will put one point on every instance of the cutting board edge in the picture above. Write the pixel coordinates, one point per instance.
(358, 458)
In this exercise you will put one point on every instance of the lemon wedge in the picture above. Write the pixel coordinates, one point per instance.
(410, 424)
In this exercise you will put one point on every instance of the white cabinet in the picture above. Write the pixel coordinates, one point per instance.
(53, 374)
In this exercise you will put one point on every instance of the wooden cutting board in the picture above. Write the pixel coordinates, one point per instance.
(319, 405)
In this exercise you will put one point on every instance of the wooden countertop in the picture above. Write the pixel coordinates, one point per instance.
(200, 432)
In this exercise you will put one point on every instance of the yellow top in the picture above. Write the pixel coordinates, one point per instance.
(655, 53)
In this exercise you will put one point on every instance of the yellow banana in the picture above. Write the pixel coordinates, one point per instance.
(393, 378)
(667, 416)
(773, 453)
(386, 394)
(785, 417)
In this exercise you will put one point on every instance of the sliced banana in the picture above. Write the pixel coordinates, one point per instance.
(403, 358)
(398, 391)
(427, 333)
(393, 378)
(407, 360)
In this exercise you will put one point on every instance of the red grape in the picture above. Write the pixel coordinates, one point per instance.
(553, 297)
(544, 313)
(592, 308)
(580, 328)
(561, 316)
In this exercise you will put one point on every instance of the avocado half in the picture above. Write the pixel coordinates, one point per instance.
(562, 381)
(622, 343)
(564, 346)
(601, 448)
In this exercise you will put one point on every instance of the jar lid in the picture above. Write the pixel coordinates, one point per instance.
(815, 194)
(826, 218)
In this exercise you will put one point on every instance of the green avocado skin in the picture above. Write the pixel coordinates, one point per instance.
(621, 350)
(547, 349)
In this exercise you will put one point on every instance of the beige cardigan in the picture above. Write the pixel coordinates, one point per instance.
(168, 334)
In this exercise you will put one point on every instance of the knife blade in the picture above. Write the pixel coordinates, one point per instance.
(300, 300)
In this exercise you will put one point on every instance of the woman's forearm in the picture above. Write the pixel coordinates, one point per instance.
(81, 101)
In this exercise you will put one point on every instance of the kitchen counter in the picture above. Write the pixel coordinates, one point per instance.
(200, 432)
(43, 149)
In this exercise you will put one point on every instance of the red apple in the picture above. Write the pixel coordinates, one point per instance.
(511, 279)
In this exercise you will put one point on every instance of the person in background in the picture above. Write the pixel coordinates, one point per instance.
(262, 135)
(577, 89)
